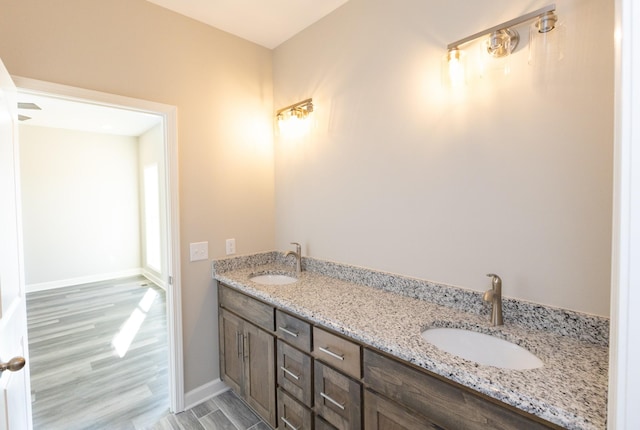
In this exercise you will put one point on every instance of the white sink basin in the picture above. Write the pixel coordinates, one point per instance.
(482, 348)
(270, 279)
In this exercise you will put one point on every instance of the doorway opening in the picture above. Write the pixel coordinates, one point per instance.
(157, 203)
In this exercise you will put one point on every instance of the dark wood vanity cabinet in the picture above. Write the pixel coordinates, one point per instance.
(298, 376)
(304, 377)
(247, 359)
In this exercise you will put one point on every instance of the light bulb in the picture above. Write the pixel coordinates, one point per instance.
(453, 68)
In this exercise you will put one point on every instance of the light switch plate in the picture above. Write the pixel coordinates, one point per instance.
(198, 251)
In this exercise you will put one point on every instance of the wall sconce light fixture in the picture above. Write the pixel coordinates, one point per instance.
(293, 120)
(300, 110)
(502, 41)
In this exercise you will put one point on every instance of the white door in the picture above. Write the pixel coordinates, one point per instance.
(15, 398)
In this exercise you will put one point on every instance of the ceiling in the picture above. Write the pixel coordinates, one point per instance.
(267, 23)
(74, 115)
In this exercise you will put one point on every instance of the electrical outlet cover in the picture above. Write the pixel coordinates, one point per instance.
(230, 246)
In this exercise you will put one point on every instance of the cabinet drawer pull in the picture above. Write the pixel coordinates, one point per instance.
(240, 344)
(325, 396)
(331, 353)
(287, 331)
(246, 345)
(288, 424)
(290, 373)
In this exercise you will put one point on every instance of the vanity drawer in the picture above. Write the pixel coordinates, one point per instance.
(251, 309)
(293, 330)
(337, 352)
(291, 414)
(338, 398)
(294, 373)
(322, 424)
(443, 403)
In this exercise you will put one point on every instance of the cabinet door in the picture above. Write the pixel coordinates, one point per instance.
(259, 368)
(337, 398)
(382, 414)
(231, 361)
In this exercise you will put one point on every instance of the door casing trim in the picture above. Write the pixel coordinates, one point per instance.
(174, 296)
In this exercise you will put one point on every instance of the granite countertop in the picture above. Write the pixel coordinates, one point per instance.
(569, 390)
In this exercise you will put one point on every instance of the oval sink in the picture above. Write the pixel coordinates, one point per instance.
(273, 279)
(482, 348)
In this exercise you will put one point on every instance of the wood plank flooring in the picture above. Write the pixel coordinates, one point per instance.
(78, 379)
(224, 412)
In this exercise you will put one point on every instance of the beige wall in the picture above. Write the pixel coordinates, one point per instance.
(222, 87)
(80, 208)
(514, 176)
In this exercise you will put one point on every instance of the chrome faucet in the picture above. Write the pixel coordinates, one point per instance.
(298, 254)
(494, 296)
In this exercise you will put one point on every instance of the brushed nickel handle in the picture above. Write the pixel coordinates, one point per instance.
(335, 402)
(331, 353)
(246, 345)
(13, 365)
(288, 424)
(287, 331)
(290, 373)
(240, 343)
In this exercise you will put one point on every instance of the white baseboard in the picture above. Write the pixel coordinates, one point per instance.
(153, 277)
(204, 393)
(81, 280)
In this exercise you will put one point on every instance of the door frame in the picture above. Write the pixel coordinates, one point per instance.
(624, 350)
(174, 296)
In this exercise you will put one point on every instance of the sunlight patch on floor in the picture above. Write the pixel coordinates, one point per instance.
(122, 340)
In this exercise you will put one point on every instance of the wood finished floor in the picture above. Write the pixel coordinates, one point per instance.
(223, 412)
(79, 381)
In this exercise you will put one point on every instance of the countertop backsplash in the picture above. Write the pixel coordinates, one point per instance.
(589, 328)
